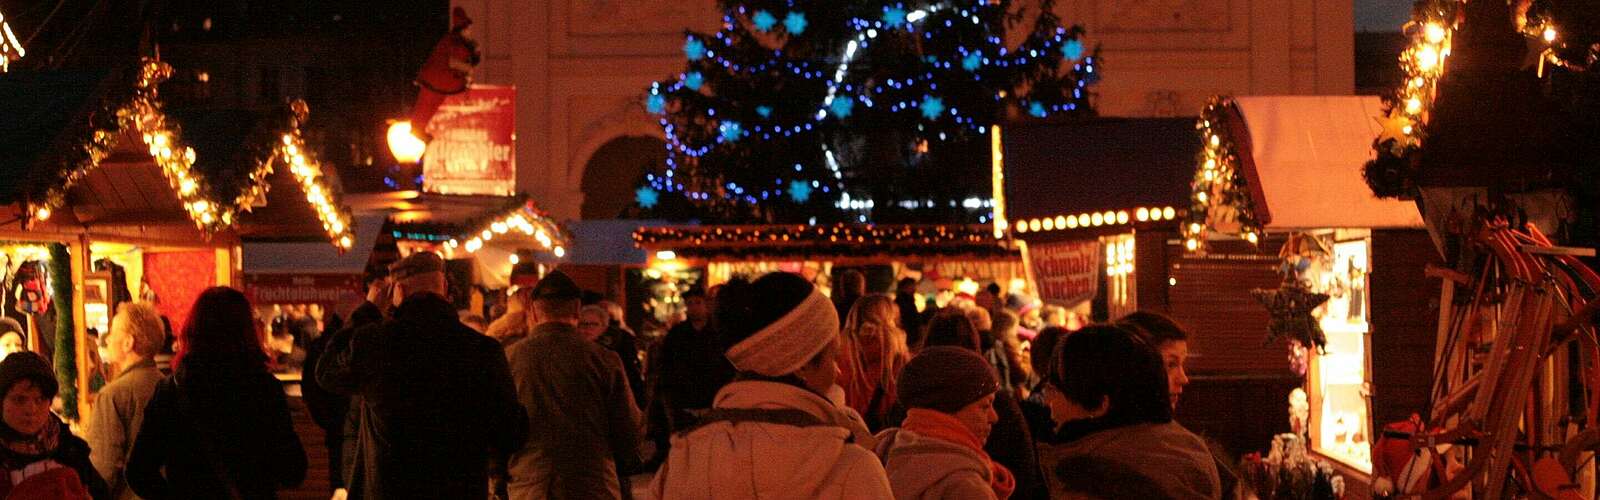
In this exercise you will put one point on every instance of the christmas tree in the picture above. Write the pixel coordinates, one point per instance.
(803, 110)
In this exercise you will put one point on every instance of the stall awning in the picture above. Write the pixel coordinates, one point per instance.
(1306, 153)
(1090, 167)
(314, 257)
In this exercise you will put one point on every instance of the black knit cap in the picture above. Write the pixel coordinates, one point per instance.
(946, 379)
(31, 366)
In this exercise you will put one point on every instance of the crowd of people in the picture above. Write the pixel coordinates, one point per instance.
(769, 388)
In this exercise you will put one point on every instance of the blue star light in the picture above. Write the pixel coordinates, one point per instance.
(1073, 49)
(1036, 109)
(894, 16)
(932, 107)
(795, 22)
(842, 106)
(655, 104)
(799, 191)
(972, 61)
(731, 130)
(694, 49)
(693, 80)
(764, 111)
(646, 197)
(763, 20)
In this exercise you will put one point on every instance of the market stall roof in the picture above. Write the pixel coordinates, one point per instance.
(466, 222)
(1307, 153)
(312, 257)
(98, 147)
(861, 243)
(1089, 167)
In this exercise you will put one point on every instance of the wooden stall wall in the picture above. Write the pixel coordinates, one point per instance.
(1405, 317)
(1239, 385)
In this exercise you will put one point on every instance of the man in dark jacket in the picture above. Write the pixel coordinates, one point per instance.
(437, 398)
(583, 419)
(329, 410)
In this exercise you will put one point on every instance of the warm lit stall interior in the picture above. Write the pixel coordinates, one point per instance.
(1289, 166)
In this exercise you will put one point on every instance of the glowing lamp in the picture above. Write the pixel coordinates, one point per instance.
(43, 213)
(405, 145)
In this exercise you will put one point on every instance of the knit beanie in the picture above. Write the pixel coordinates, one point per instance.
(31, 366)
(946, 379)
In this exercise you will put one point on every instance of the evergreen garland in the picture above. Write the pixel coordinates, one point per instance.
(66, 348)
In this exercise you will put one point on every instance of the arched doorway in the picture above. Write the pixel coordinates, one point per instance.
(613, 172)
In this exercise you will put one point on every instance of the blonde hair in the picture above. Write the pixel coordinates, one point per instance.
(875, 315)
(140, 322)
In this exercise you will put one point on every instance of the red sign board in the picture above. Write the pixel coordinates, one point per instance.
(474, 143)
(303, 288)
(1068, 272)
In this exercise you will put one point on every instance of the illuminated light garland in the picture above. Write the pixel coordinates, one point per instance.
(522, 217)
(1407, 111)
(1219, 189)
(10, 48)
(141, 113)
(293, 154)
(1087, 220)
(1542, 28)
(799, 241)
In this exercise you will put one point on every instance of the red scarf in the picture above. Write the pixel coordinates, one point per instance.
(944, 427)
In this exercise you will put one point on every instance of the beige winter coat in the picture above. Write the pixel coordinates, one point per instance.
(724, 460)
(925, 468)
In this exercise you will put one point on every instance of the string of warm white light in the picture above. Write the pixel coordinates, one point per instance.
(1431, 31)
(1218, 191)
(175, 158)
(10, 48)
(1095, 219)
(324, 201)
(524, 219)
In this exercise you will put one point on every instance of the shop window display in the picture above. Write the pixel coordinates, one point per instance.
(1338, 381)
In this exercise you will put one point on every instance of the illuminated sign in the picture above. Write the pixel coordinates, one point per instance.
(474, 143)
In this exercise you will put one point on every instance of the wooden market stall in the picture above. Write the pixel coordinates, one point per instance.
(1353, 300)
(939, 256)
(1098, 205)
(133, 202)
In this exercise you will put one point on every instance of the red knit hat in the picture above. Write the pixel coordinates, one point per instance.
(946, 379)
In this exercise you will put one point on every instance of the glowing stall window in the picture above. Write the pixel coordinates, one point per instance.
(1341, 427)
(1121, 294)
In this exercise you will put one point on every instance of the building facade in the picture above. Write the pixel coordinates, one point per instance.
(581, 68)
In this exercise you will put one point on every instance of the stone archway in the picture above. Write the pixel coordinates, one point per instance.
(613, 171)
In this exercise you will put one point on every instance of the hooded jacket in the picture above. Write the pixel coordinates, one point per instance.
(727, 460)
(926, 468)
(1152, 461)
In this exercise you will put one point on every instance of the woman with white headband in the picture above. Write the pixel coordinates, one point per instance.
(771, 433)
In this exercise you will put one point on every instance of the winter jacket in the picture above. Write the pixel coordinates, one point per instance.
(436, 402)
(691, 369)
(1011, 444)
(114, 423)
(626, 345)
(728, 460)
(47, 477)
(1154, 461)
(218, 423)
(581, 415)
(926, 468)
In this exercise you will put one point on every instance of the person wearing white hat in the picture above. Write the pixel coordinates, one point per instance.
(773, 433)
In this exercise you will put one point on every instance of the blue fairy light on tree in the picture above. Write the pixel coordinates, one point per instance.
(888, 101)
